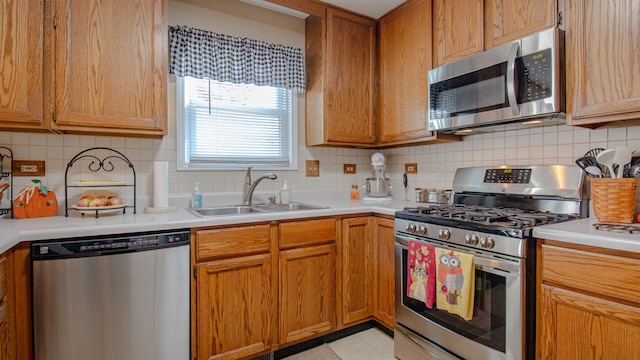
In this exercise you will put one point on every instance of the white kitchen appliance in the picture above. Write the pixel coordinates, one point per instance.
(377, 188)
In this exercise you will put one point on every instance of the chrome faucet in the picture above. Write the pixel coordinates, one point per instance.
(247, 193)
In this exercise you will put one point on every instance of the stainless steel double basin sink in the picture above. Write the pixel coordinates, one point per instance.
(252, 209)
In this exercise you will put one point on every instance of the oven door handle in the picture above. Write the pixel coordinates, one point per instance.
(499, 272)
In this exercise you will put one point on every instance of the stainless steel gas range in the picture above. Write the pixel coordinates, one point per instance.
(491, 217)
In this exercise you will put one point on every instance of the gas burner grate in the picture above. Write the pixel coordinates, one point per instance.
(489, 216)
(617, 228)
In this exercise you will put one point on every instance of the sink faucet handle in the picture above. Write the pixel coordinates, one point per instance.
(247, 176)
(272, 199)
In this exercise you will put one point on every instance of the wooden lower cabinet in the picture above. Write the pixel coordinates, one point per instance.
(357, 270)
(15, 304)
(4, 310)
(260, 287)
(366, 264)
(589, 303)
(384, 304)
(234, 307)
(233, 291)
(307, 292)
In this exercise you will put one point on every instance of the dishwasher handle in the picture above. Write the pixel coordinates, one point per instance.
(101, 245)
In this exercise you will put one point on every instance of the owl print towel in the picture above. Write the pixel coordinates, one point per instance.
(421, 271)
(456, 278)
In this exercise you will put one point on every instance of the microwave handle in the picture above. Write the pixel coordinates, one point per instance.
(511, 72)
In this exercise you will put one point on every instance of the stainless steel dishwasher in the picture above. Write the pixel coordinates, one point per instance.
(123, 297)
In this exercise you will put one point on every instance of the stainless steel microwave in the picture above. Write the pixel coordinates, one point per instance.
(517, 82)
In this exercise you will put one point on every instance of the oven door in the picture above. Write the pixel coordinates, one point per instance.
(496, 329)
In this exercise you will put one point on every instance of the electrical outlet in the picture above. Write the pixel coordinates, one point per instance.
(28, 168)
(349, 168)
(411, 168)
(313, 167)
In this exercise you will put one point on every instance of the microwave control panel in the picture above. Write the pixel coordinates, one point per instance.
(507, 176)
(535, 83)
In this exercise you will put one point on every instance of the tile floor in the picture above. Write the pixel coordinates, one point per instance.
(370, 344)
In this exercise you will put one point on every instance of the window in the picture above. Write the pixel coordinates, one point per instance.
(230, 126)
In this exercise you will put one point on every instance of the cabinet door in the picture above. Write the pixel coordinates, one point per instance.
(509, 20)
(602, 68)
(384, 309)
(577, 326)
(5, 343)
(307, 292)
(341, 68)
(357, 270)
(111, 66)
(457, 29)
(405, 58)
(21, 64)
(234, 308)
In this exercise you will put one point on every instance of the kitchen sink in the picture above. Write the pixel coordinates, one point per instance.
(293, 206)
(249, 209)
(224, 210)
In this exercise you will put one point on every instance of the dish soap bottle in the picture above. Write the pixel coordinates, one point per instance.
(285, 193)
(196, 199)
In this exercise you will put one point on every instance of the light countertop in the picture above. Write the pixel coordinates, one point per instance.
(582, 232)
(15, 231)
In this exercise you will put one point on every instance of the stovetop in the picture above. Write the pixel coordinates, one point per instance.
(495, 209)
(479, 218)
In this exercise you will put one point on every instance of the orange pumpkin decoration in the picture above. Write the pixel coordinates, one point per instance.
(31, 202)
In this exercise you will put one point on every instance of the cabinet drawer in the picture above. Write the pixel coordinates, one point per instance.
(307, 232)
(225, 242)
(608, 275)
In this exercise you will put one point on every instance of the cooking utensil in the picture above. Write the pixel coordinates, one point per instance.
(634, 171)
(405, 182)
(594, 171)
(621, 158)
(594, 152)
(589, 162)
(606, 159)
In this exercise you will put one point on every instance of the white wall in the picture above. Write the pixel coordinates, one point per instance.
(436, 163)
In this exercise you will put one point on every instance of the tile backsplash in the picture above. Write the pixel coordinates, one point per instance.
(437, 163)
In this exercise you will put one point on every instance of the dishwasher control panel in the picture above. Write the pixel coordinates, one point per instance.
(78, 247)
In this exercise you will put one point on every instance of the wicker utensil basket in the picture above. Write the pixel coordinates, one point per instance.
(614, 199)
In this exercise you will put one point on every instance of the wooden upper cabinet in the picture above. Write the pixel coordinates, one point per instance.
(21, 65)
(341, 72)
(405, 58)
(603, 71)
(509, 20)
(457, 29)
(111, 67)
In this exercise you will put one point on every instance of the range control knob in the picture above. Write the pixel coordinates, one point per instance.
(487, 242)
(444, 234)
(422, 230)
(471, 239)
(411, 227)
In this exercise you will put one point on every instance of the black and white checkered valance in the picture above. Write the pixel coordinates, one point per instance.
(203, 54)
